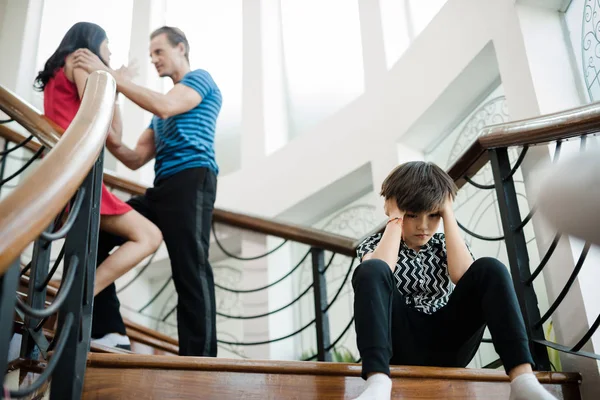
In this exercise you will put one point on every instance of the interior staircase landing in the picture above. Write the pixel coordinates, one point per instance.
(132, 376)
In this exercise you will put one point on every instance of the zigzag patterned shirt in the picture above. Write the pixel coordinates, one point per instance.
(421, 277)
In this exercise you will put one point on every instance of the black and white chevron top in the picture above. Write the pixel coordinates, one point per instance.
(421, 277)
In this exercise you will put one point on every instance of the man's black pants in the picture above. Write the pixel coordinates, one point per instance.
(181, 206)
(389, 331)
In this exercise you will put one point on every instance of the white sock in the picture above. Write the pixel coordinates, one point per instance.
(379, 387)
(112, 340)
(527, 387)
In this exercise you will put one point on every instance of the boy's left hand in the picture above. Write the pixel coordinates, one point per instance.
(447, 211)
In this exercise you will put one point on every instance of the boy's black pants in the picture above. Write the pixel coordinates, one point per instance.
(389, 331)
(181, 206)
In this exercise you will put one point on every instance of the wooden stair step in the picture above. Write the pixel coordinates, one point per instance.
(112, 376)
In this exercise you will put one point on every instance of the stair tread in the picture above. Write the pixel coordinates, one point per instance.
(112, 376)
(99, 360)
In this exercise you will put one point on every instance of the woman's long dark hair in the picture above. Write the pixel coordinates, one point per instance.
(82, 35)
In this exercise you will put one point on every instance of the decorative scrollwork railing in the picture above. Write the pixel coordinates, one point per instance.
(33, 210)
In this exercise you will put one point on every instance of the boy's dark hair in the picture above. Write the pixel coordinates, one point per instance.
(418, 186)
(174, 36)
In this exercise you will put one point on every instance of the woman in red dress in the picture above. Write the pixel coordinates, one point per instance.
(63, 87)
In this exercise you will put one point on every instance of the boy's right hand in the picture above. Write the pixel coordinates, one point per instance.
(391, 209)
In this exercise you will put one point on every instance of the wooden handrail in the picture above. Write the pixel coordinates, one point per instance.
(31, 206)
(28, 117)
(548, 128)
(312, 237)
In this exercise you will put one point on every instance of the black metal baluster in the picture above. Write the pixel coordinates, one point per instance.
(3, 164)
(81, 242)
(320, 297)
(516, 248)
(34, 341)
(8, 287)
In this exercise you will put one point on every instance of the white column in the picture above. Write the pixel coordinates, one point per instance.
(373, 49)
(549, 59)
(539, 34)
(147, 15)
(538, 79)
(253, 125)
(20, 24)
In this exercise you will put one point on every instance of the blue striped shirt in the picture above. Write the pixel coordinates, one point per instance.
(187, 140)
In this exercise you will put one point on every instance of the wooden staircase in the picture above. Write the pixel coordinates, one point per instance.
(159, 374)
(133, 376)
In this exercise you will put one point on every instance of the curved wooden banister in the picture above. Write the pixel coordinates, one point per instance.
(124, 185)
(30, 207)
(14, 137)
(28, 117)
(312, 237)
(548, 128)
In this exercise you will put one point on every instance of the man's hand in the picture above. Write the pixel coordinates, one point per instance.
(125, 74)
(88, 61)
(390, 207)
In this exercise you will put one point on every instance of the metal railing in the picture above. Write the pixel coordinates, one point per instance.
(314, 258)
(523, 273)
(23, 288)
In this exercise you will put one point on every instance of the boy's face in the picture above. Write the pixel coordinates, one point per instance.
(418, 228)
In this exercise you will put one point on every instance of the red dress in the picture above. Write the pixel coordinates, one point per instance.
(61, 102)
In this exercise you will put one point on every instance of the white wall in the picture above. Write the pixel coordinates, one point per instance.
(377, 120)
(19, 36)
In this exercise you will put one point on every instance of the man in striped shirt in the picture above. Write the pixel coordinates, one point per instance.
(181, 139)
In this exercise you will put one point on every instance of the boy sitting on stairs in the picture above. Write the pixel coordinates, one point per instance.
(421, 299)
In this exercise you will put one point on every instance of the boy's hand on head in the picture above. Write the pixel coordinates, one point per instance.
(391, 209)
(447, 211)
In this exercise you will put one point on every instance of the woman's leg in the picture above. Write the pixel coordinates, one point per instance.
(143, 238)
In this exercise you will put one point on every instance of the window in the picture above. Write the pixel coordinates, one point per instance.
(396, 33)
(322, 58)
(422, 12)
(59, 15)
(214, 30)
